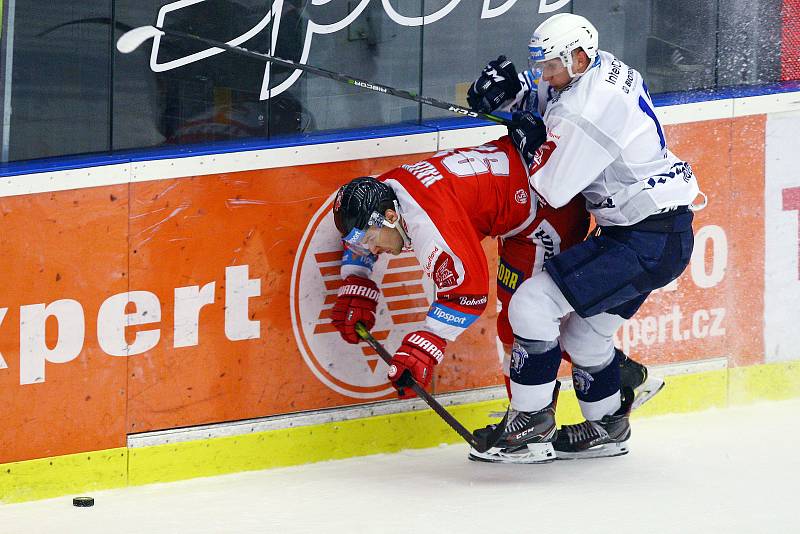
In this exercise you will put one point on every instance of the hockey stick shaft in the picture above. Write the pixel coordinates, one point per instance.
(364, 334)
(133, 38)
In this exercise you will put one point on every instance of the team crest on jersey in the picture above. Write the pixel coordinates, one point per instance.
(444, 276)
(440, 267)
(352, 370)
(521, 196)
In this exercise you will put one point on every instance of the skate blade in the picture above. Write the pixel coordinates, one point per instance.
(535, 453)
(647, 391)
(607, 450)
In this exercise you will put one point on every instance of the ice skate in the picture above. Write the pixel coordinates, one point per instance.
(520, 437)
(634, 375)
(597, 439)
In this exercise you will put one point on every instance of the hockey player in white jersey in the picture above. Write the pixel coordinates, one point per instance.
(584, 123)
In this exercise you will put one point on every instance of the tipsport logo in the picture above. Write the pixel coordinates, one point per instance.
(315, 12)
(352, 370)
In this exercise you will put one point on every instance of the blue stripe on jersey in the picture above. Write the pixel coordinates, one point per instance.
(348, 258)
(645, 106)
(532, 78)
(450, 316)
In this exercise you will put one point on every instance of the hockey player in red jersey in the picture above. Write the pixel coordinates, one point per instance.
(442, 208)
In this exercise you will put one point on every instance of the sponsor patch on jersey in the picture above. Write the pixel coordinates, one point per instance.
(444, 274)
(508, 277)
(430, 256)
(473, 301)
(466, 301)
(451, 317)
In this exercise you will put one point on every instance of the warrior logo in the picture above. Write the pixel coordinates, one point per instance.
(548, 244)
(582, 380)
(352, 370)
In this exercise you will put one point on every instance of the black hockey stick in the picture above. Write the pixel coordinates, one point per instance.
(477, 444)
(132, 39)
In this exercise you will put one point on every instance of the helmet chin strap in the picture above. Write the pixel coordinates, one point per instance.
(399, 225)
(569, 62)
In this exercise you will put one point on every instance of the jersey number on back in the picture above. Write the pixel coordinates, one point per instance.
(477, 161)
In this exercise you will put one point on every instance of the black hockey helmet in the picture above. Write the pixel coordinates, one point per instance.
(357, 200)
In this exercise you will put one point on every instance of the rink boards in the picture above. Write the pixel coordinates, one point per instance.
(163, 318)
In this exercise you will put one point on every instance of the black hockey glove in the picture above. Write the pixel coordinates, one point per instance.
(497, 84)
(528, 133)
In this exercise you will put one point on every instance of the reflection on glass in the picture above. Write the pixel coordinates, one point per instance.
(70, 92)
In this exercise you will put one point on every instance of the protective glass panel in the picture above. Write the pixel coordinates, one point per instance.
(66, 90)
(56, 78)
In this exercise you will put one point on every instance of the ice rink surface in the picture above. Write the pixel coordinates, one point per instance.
(722, 471)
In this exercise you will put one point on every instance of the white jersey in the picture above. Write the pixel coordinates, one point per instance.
(605, 141)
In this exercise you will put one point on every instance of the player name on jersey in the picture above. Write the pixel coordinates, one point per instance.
(425, 172)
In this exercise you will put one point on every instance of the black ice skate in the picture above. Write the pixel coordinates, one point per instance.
(520, 437)
(597, 439)
(634, 375)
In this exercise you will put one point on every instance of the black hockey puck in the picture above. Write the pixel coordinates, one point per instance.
(83, 501)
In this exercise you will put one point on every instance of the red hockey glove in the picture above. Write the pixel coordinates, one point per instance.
(357, 300)
(416, 357)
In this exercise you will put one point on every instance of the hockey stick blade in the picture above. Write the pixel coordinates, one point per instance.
(479, 445)
(132, 39)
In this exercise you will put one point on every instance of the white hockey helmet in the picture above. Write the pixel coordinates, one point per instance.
(559, 35)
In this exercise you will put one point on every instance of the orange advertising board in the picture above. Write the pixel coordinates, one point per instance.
(206, 299)
(221, 250)
(62, 254)
(715, 308)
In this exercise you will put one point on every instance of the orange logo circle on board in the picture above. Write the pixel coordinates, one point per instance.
(352, 370)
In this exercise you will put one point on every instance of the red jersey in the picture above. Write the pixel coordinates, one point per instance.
(448, 203)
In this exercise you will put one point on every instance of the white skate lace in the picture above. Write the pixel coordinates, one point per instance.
(516, 420)
(585, 431)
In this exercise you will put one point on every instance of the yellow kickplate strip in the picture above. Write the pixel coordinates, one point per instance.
(379, 434)
(61, 475)
(775, 381)
(49, 477)
(292, 446)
